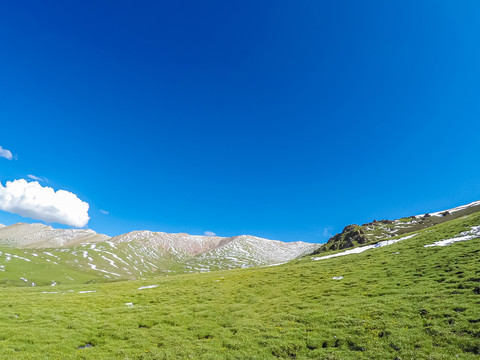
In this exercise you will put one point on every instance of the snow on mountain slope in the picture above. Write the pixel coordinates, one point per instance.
(43, 236)
(240, 249)
(246, 251)
(453, 210)
(173, 243)
(473, 233)
(205, 253)
(70, 254)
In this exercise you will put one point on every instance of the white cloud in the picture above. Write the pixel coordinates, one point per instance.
(37, 178)
(327, 232)
(30, 199)
(209, 233)
(104, 212)
(7, 154)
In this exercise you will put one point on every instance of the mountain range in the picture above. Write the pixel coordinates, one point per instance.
(37, 254)
(67, 253)
(391, 289)
(375, 231)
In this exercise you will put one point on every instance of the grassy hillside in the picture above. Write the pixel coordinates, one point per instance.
(130, 256)
(402, 301)
(356, 235)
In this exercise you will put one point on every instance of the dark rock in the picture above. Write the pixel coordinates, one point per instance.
(352, 235)
(349, 228)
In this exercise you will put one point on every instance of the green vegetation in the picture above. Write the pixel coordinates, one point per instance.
(25, 262)
(39, 270)
(351, 236)
(402, 301)
(357, 235)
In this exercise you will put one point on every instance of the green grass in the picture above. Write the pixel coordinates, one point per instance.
(39, 270)
(421, 303)
(69, 265)
(109, 261)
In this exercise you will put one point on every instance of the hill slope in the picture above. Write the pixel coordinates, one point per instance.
(35, 254)
(38, 236)
(355, 235)
(399, 301)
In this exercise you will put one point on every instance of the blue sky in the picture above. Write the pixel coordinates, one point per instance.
(281, 119)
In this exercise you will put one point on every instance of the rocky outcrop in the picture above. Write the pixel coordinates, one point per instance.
(352, 235)
(379, 230)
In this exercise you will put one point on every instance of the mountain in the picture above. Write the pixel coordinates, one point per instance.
(204, 253)
(42, 236)
(36, 254)
(355, 235)
(410, 296)
(68, 256)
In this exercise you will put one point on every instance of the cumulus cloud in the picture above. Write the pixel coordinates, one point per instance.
(37, 178)
(104, 212)
(30, 199)
(7, 154)
(209, 233)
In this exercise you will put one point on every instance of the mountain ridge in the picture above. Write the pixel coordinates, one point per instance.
(38, 254)
(354, 235)
(45, 236)
(65, 253)
(414, 298)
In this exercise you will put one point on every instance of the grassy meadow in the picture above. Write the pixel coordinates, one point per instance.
(402, 301)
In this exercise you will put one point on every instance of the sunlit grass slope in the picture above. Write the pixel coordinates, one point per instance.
(402, 301)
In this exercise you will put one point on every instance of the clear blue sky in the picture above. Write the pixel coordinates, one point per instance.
(282, 119)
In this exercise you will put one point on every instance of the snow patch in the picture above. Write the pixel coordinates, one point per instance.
(50, 254)
(21, 258)
(439, 213)
(277, 264)
(110, 261)
(147, 287)
(364, 248)
(473, 233)
(94, 267)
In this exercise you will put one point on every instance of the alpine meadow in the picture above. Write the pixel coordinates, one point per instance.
(404, 300)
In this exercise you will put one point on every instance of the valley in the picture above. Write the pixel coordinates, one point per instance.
(404, 300)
